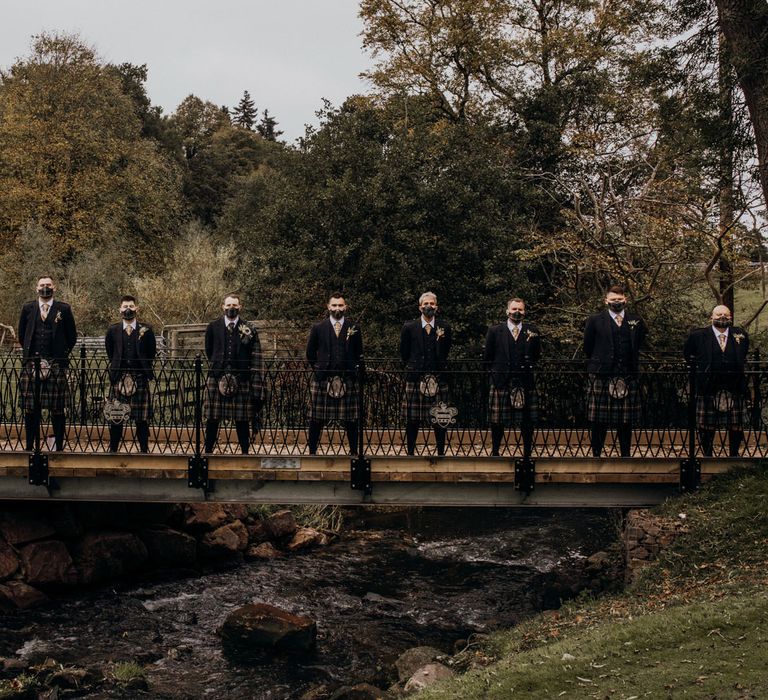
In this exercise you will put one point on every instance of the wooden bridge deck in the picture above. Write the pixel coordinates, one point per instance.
(560, 481)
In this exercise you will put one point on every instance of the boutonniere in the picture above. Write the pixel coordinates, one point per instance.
(440, 332)
(738, 337)
(245, 332)
(633, 322)
(142, 331)
(530, 334)
(351, 331)
(58, 317)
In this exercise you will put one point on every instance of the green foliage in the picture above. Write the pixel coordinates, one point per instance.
(72, 157)
(245, 113)
(385, 203)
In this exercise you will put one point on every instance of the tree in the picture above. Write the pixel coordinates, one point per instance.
(267, 127)
(245, 112)
(200, 269)
(196, 121)
(72, 157)
(744, 24)
(384, 202)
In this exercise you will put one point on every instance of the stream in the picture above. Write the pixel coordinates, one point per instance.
(391, 581)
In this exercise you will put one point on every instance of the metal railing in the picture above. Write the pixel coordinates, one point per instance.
(666, 428)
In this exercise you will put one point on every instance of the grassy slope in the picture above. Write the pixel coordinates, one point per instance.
(694, 626)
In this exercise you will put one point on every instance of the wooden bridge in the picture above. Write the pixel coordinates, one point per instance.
(551, 481)
(561, 472)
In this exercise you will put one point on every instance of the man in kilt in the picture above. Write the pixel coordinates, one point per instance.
(719, 352)
(334, 350)
(46, 328)
(235, 385)
(612, 342)
(424, 346)
(511, 350)
(131, 348)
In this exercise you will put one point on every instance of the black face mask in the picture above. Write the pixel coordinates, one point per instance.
(337, 314)
(428, 311)
(617, 306)
(515, 316)
(128, 314)
(45, 292)
(232, 312)
(721, 322)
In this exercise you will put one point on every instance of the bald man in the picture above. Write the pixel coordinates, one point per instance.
(720, 353)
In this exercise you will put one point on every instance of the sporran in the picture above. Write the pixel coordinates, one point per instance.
(336, 387)
(429, 386)
(618, 388)
(723, 401)
(126, 386)
(228, 385)
(517, 397)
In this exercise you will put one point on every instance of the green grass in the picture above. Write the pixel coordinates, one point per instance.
(127, 671)
(695, 625)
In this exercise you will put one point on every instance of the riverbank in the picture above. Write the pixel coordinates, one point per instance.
(693, 624)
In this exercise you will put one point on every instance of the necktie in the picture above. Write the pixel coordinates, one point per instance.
(129, 329)
(44, 311)
(722, 338)
(515, 332)
(230, 328)
(337, 328)
(428, 328)
(619, 319)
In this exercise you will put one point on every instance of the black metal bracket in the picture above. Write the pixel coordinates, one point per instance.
(361, 475)
(525, 474)
(197, 472)
(38, 469)
(690, 475)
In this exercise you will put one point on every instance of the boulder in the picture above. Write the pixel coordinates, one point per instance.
(413, 659)
(236, 511)
(265, 550)
(17, 594)
(23, 525)
(257, 532)
(204, 517)
(269, 628)
(48, 563)
(281, 525)
(599, 560)
(426, 676)
(9, 562)
(306, 537)
(361, 691)
(169, 548)
(102, 556)
(225, 540)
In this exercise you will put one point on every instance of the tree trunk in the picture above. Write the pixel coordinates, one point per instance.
(745, 26)
(727, 206)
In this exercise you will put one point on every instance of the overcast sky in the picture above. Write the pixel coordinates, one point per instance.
(289, 54)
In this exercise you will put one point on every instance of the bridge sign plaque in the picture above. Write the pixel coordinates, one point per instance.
(280, 463)
(443, 414)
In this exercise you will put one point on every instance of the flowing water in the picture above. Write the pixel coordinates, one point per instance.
(391, 582)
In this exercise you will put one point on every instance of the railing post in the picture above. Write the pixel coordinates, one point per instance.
(38, 462)
(757, 404)
(360, 478)
(197, 470)
(690, 468)
(83, 388)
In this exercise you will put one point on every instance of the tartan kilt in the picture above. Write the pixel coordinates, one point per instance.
(238, 407)
(54, 391)
(140, 401)
(324, 408)
(603, 408)
(500, 411)
(415, 406)
(707, 415)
